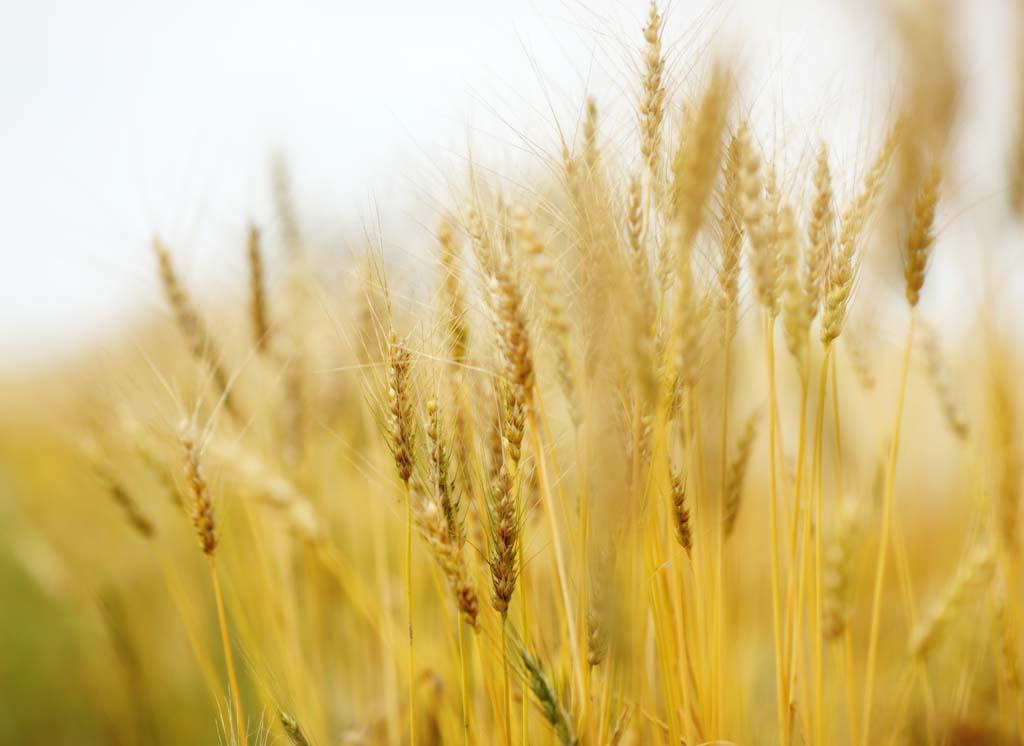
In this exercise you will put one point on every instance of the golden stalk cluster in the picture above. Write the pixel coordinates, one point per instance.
(637, 524)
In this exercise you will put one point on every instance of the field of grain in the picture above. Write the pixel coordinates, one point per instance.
(655, 444)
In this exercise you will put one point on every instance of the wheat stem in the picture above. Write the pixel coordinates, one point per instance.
(563, 582)
(195, 641)
(508, 692)
(524, 620)
(781, 688)
(408, 606)
(463, 688)
(883, 545)
(849, 674)
(818, 639)
(229, 660)
(719, 591)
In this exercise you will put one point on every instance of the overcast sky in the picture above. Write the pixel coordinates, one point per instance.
(119, 119)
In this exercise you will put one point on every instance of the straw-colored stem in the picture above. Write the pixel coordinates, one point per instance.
(229, 660)
(583, 529)
(185, 613)
(508, 691)
(818, 641)
(524, 618)
(719, 590)
(773, 508)
(839, 490)
(883, 543)
(464, 689)
(408, 605)
(602, 720)
(798, 479)
(483, 658)
(701, 604)
(795, 618)
(563, 583)
(849, 674)
(798, 532)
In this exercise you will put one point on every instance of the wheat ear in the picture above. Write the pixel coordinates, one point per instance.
(191, 325)
(205, 523)
(257, 292)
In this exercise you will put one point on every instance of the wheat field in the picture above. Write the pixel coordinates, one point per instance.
(631, 462)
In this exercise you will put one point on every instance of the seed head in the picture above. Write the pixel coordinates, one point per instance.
(203, 516)
(922, 235)
(401, 429)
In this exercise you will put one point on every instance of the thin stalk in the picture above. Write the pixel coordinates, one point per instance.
(390, 633)
(839, 442)
(462, 681)
(780, 683)
(699, 555)
(798, 480)
(484, 658)
(545, 492)
(508, 691)
(719, 624)
(548, 443)
(803, 530)
(670, 676)
(883, 546)
(799, 531)
(819, 671)
(851, 690)
(408, 604)
(524, 619)
(229, 660)
(602, 718)
(583, 529)
(186, 614)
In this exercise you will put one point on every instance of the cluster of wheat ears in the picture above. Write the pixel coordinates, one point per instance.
(614, 483)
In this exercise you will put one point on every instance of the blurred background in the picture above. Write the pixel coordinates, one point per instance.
(123, 119)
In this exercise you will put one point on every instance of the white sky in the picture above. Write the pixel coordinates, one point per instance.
(121, 118)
